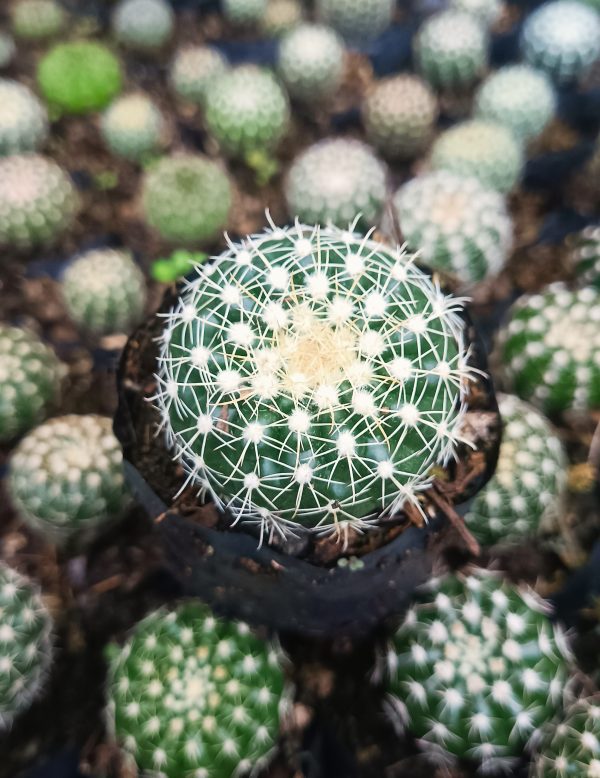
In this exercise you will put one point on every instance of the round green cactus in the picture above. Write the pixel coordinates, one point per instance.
(458, 224)
(7, 49)
(335, 180)
(187, 198)
(133, 127)
(562, 38)
(246, 110)
(328, 367)
(519, 97)
(191, 695)
(37, 201)
(487, 12)
(451, 50)
(399, 115)
(104, 291)
(586, 257)
(281, 16)
(144, 25)
(30, 378)
(486, 150)
(311, 62)
(571, 747)
(193, 70)
(66, 477)
(79, 77)
(477, 669)
(358, 21)
(25, 644)
(34, 20)
(528, 485)
(550, 348)
(244, 12)
(23, 119)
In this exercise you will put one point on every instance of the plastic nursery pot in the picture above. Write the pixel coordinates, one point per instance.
(313, 585)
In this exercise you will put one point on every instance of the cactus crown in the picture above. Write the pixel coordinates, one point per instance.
(571, 747)
(193, 70)
(133, 127)
(145, 25)
(358, 21)
(37, 19)
(312, 376)
(311, 61)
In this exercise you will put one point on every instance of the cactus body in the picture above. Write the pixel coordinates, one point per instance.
(487, 12)
(193, 70)
(7, 49)
(586, 257)
(358, 21)
(571, 747)
(133, 127)
(34, 20)
(281, 16)
(144, 25)
(244, 12)
(192, 696)
(23, 119)
(311, 62)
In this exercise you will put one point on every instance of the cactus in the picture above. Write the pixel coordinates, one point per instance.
(586, 257)
(25, 644)
(191, 695)
(244, 12)
(458, 224)
(186, 198)
(144, 25)
(528, 485)
(79, 77)
(7, 49)
(37, 201)
(193, 70)
(519, 97)
(23, 119)
(30, 378)
(486, 150)
(133, 127)
(549, 348)
(477, 669)
(358, 21)
(487, 12)
(66, 477)
(34, 20)
(451, 50)
(311, 62)
(281, 16)
(333, 393)
(562, 38)
(571, 747)
(104, 291)
(399, 115)
(333, 181)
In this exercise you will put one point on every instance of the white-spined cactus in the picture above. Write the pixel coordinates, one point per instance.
(311, 62)
(104, 291)
(23, 119)
(358, 21)
(25, 644)
(330, 368)
(519, 97)
(458, 224)
(30, 378)
(190, 695)
(35, 20)
(586, 257)
(7, 49)
(66, 477)
(244, 12)
(281, 16)
(562, 38)
(477, 669)
(399, 115)
(193, 70)
(334, 180)
(528, 485)
(144, 25)
(486, 150)
(487, 12)
(571, 746)
(133, 127)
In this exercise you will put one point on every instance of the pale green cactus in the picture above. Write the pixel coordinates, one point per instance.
(311, 62)
(281, 16)
(144, 25)
(34, 20)
(191, 696)
(193, 70)
(133, 127)
(586, 257)
(244, 12)
(458, 224)
(487, 12)
(66, 477)
(571, 746)
(30, 378)
(25, 644)
(7, 49)
(476, 669)
(23, 119)
(358, 21)
(104, 291)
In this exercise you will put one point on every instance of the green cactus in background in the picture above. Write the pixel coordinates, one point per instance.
(477, 669)
(451, 50)
(487, 12)
(25, 644)
(586, 257)
(181, 262)
(358, 21)
(191, 695)
(529, 482)
(193, 70)
(550, 348)
(35, 20)
(311, 62)
(399, 115)
(79, 77)
(562, 38)
(519, 97)
(104, 291)
(186, 198)
(144, 25)
(334, 180)
(133, 127)
(37, 201)
(7, 49)
(23, 119)
(571, 747)
(486, 150)
(281, 16)
(66, 477)
(458, 224)
(352, 367)
(244, 12)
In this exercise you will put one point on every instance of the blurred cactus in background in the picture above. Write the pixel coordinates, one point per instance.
(23, 119)
(144, 25)
(281, 16)
(36, 20)
(133, 127)
(193, 70)
(244, 12)
(358, 21)
(586, 257)
(311, 62)
(7, 49)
